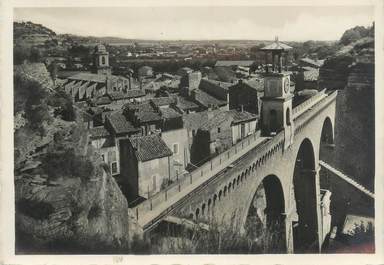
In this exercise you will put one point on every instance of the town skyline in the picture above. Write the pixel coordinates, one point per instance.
(198, 24)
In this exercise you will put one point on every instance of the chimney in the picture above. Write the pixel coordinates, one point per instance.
(242, 107)
(210, 114)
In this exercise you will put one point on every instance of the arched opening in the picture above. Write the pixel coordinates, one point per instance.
(209, 205)
(288, 117)
(304, 224)
(327, 132)
(197, 214)
(326, 151)
(214, 199)
(225, 191)
(332, 213)
(103, 60)
(273, 120)
(265, 223)
(203, 209)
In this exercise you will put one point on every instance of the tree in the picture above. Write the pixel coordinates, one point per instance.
(354, 34)
(20, 54)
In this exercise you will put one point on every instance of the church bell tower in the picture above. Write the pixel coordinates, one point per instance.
(276, 110)
(101, 60)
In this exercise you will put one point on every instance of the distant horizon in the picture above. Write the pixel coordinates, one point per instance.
(202, 23)
(165, 40)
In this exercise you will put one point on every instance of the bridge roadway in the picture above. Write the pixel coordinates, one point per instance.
(154, 209)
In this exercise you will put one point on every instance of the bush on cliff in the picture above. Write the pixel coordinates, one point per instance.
(67, 164)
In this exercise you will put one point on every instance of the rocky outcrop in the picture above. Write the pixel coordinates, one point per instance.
(351, 71)
(66, 201)
(70, 215)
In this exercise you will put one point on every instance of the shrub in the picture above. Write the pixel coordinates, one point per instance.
(35, 209)
(67, 164)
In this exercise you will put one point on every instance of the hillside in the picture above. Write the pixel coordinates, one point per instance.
(28, 28)
(65, 198)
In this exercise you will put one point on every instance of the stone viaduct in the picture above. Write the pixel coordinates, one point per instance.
(284, 165)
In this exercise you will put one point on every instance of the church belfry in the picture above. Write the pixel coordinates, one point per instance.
(276, 108)
(101, 60)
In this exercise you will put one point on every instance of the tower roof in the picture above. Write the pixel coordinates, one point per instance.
(100, 48)
(276, 46)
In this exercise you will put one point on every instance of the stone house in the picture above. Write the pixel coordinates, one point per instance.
(220, 132)
(244, 95)
(119, 128)
(145, 166)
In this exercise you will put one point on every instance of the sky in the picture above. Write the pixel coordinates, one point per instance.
(290, 23)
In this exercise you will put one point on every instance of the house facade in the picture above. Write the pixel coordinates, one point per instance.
(145, 166)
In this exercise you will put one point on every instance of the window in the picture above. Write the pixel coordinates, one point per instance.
(103, 157)
(112, 159)
(218, 130)
(154, 182)
(114, 167)
(288, 117)
(102, 60)
(193, 132)
(176, 148)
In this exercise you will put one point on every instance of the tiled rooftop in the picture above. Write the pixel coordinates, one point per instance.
(185, 104)
(162, 101)
(119, 123)
(169, 113)
(233, 116)
(207, 100)
(150, 147)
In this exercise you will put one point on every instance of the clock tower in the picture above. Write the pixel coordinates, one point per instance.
(276, 110)
(276, 104)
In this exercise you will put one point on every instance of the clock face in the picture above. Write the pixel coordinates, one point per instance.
(286, 85)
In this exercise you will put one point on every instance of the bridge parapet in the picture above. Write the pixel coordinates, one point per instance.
(316, 105)
(300, 109)
(208, 169)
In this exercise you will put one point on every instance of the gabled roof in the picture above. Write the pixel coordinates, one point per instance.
(169, 113)
(119, 123)
(241, 116)
(221, 84)
(163, 101)
(230, 116)
(185, 104)
(149, 147)
(207, 100)
(88, 77)
(255, 84)
(148, 116)
(193, 121)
